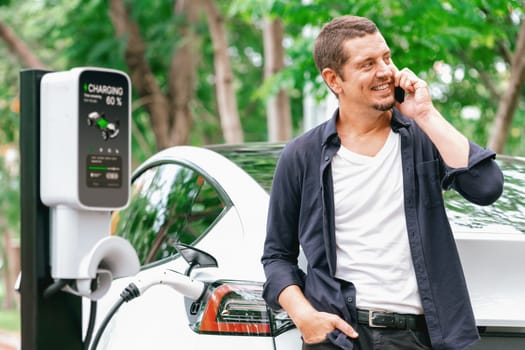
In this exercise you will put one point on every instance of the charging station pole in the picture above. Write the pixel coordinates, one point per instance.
(54, 322)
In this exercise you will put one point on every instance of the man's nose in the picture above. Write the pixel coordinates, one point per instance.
(384, 70)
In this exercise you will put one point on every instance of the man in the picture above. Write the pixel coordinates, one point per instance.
(361, 195)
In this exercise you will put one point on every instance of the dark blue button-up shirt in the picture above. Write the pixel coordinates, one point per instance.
(301, 214)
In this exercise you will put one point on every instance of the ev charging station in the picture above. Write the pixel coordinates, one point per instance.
(75, 169)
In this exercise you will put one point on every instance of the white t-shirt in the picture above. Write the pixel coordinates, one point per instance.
(370, 228)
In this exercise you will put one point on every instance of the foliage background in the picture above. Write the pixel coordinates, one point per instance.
(454, 47)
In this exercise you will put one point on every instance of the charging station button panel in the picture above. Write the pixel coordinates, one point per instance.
(104, 171)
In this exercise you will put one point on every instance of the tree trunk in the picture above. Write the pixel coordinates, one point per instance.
(20, 49)
(226, 98)
(157, 105)
(11, 270)
(278, 107)
(510, 98)
(183, 73)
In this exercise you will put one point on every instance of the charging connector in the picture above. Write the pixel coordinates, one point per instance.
(190, 288)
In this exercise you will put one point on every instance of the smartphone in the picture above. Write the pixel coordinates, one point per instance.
(399, 94)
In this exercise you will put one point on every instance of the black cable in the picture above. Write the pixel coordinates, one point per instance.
(55, 287)
(91, 323)
(129, 293)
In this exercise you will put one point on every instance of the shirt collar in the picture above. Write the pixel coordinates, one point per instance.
(397, 122)
(330, 131)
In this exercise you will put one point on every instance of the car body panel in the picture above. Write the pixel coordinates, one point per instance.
(492, 252)
(493, 266)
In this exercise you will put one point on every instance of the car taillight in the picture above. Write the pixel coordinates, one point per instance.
(237, 308)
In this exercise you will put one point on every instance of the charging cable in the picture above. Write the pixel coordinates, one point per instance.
(183, 284)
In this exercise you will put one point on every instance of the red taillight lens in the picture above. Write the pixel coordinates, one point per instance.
(237, 308)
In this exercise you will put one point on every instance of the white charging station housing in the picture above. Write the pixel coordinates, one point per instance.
(85, 124)
(85, 139)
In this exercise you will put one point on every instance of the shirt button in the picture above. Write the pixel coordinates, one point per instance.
(349, 300)
(327, 158)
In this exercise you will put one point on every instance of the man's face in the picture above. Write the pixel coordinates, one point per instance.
(368, 75)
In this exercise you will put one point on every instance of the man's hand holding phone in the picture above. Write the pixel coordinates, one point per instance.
(411, 94)
(451, 144)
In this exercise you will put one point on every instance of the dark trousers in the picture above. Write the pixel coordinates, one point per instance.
(382, 339)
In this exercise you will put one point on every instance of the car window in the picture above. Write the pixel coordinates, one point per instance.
(257, 159)
(169, 203)
(506, 215)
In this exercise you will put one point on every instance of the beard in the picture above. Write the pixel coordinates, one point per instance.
(383, 107)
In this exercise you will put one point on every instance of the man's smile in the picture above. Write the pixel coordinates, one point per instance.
(381, 87)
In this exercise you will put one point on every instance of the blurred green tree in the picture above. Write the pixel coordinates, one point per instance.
(465, 49)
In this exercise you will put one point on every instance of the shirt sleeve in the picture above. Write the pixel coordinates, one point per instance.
(481, 182)
(281, 247)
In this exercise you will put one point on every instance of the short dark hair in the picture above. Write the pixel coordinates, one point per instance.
(328, 47)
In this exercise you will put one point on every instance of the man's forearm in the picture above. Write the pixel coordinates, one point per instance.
(451, 144)
(293, 301)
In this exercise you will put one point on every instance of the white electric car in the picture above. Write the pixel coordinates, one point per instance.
(199, 214)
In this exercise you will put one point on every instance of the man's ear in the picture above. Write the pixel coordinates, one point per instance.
(332, 79)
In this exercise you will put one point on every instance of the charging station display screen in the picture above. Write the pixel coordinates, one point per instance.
(104, 171)
(104, 138)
